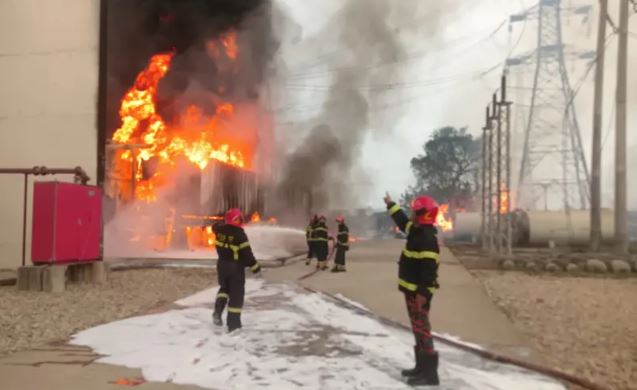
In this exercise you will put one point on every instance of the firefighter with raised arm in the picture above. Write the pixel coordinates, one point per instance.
(235, 255)
(321, 243)
(309, 231)
(418, 274)
(342, 245)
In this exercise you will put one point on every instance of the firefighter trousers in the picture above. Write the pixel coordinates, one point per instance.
(232, 278)
(321, 251)
(339, 259)
(310, 250)
(418, 306)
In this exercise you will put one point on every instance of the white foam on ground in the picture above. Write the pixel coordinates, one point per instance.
(290, 340)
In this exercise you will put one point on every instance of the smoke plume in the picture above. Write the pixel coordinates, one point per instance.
(369, 59)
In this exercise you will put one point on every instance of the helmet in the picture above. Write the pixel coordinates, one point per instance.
(425, 209)
(340, 219)
(314, 218)
(234, 217)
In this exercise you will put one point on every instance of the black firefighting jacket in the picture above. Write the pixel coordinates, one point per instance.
(342, 238)
(320, 233)
(233, 245)
(418, 265)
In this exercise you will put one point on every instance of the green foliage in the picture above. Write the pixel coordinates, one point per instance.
(449, 168)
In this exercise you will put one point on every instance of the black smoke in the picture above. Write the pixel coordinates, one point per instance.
(138, 29)
(364, 49)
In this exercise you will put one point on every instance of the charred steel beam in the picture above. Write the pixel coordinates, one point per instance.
(79, 174)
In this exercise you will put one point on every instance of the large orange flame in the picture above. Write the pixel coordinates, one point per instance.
(443, 220)
(147, 136)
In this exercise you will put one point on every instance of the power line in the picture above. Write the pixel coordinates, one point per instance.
(581, 81)
(418, 54)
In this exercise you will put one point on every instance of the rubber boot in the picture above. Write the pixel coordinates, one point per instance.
(220, 305)
(234, 321)
(414, 371)
(428, 375)
(216, 319)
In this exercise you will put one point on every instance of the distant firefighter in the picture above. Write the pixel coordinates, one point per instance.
(309, 231)
(235, 255)
(418, 280)
(321, 243)
(342, 245)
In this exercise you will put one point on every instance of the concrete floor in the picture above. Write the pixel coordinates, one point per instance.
(461, 308)
(68, 368)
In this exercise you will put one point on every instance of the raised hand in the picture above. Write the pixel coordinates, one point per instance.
(387, 199)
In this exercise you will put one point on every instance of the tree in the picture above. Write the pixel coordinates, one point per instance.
(449, 168)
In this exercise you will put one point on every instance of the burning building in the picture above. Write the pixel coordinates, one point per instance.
(186, 137)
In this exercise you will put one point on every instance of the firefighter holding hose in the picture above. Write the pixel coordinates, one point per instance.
(321, 243)
(418, 274)
(235, 255)
(309, 231)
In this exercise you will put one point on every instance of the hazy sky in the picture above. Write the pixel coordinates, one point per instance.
(447, 88)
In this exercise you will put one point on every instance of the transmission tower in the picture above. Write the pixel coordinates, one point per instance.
(552, 150)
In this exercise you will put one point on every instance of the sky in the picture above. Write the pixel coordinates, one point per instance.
(452, 72)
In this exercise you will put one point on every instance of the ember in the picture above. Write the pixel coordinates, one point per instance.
(255, 218)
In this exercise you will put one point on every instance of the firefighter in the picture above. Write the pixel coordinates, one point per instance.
(321, 239)
(418, 274)
(342, 245)
(235, 255)
(309, 231)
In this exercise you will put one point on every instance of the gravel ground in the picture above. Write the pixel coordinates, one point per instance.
(584, 326)
(30, 319)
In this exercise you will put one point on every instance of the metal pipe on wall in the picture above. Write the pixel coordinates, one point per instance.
(78, 172)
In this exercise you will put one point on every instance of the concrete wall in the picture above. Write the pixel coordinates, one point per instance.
(48, 98)
(632, 176)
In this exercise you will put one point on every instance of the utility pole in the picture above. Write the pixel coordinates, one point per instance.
(596, 180)
(621, 238)
(485, 131)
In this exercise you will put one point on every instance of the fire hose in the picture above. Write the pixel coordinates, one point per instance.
(548, 371)
(329, 257)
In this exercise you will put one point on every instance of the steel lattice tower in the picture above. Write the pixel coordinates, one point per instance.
(552, 154)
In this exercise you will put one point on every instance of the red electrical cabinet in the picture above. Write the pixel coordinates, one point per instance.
(66, 223)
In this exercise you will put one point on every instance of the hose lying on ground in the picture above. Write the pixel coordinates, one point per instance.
(551, 372)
